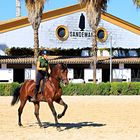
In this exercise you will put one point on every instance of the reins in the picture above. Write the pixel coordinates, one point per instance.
(56, 77)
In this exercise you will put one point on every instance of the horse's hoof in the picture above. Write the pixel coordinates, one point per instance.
(58, 127)
(40, 125)
(20, 124)
(59, 116)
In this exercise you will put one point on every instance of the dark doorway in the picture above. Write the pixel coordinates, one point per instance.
(19, 75)
(78, 73)
(135, 75)
(105, 75)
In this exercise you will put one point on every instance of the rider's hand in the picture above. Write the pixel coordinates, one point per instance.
(44, 69)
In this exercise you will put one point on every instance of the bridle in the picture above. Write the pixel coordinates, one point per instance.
(59, 79)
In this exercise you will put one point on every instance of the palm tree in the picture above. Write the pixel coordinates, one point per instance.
(94, 8)
(137, 3)
(18, 8)
(35, 11)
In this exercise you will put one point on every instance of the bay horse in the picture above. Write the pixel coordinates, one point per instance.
(52, 92)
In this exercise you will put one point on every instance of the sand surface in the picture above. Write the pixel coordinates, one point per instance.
(87, 117)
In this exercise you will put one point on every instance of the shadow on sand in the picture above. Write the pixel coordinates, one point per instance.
(67, 126)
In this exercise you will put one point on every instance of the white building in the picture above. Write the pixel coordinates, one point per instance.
(68, 28)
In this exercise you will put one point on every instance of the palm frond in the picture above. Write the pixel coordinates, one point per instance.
(35, 9)
(93, 10)
(137, 3)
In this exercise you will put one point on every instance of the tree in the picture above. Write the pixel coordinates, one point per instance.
(137, 3)
(35, 11)
(94, 8)
(18, 8)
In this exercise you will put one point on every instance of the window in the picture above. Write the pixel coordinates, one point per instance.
(62, 32)
(133, 53)
(101, 34)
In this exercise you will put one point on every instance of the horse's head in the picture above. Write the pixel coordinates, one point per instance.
(64, 74)
(61, 73)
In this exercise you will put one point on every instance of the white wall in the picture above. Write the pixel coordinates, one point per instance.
(6, 75)
(70, 73)
(122, 74)
(88, 75)
(29, 74)
(23, 37)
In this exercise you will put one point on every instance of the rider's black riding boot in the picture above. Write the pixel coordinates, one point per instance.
(34, 98)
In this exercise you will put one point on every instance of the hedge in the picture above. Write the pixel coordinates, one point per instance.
(8, 88)
(114, 88)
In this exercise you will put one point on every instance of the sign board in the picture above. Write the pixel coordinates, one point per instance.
(6, 75)
(121, 66)
(88, 75)
(75, 26)
(29, 74)
(70, 74)
(122, 75)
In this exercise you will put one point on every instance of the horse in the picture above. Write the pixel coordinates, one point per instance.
(52, 91)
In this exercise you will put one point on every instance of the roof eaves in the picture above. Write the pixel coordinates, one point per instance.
(23, 21)
(120, 22)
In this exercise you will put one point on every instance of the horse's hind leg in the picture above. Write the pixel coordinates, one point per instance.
(37, 106)
(61, 102)
(20, 109)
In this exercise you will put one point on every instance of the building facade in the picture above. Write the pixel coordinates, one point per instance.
(68, 28)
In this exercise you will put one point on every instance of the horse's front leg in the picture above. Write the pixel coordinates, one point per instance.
(50, 103)
(61, 102)
(37, 106)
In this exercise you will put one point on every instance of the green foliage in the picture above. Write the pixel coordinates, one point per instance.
(27, 51)
(115, 88)
(103, 89)
(7, 89)
(133, 89)
(16, 51)
(124, 88)
(79, 89)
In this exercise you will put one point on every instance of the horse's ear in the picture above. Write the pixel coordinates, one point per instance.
(64, 66)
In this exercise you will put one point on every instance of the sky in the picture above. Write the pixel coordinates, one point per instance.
(124, 9)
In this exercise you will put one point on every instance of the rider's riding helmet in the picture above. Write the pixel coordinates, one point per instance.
(44, 52)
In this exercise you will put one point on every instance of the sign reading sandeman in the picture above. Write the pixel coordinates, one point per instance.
(80, 34)
(78, 31)
(73, 31)
(63, 32)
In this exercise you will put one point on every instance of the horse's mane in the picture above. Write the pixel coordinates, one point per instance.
(64, 66)
(61, 66)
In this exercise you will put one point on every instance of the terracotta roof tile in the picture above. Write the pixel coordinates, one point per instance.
(130, 60)
(68, 60)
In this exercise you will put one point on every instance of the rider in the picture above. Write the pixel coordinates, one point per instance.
(43, 70)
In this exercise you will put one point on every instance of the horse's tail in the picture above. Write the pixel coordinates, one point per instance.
(16, 96)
